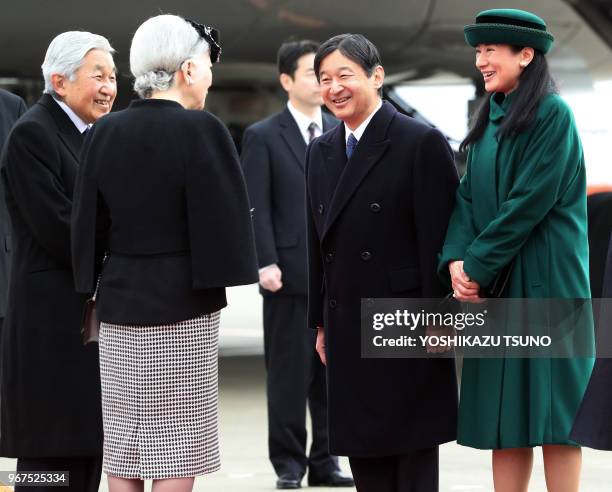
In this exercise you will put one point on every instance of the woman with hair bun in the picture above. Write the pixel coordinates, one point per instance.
(160, 193)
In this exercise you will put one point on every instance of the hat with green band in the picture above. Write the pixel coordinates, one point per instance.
(509, 26)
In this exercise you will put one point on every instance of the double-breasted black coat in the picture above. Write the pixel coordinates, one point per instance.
(376, 224)
(49, 382)
(11, 108)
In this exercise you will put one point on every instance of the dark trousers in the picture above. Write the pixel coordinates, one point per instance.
(84, 472)
(295, 378)
(413, 472)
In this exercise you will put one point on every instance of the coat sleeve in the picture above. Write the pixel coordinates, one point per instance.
(32, 173)
(315, 265)
(461, 231)
(434, 184)
(90, 220)
(258, 174)
(551, 163)
(22, 108)
(220, 227)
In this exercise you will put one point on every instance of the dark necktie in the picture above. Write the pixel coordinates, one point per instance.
(311, 131)
(85, 132)
(351, 143)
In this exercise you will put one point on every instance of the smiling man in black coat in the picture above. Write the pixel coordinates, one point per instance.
(380, 191)
(11, 108)
(273, 153)
(50, 414)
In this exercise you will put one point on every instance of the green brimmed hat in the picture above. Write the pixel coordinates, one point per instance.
(509, 26)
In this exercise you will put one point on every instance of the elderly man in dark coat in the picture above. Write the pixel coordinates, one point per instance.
(380, 191)
(11, 108)
(49, 382)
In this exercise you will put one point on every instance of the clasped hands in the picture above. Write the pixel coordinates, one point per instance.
(464, 288)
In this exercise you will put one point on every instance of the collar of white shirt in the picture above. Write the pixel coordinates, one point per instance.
(358, 132)
(78, 122)
(303, 121)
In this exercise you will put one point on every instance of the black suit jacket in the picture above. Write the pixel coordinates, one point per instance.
(273, 152)
(11, 108)
(49, 382)
(161, 190)
(599, 208)
(376, 224)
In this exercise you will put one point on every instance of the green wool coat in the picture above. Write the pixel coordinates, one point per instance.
(523, 199)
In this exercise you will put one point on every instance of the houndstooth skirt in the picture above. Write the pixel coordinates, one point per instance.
(159, 398)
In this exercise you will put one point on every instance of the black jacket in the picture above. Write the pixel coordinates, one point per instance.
(273, 152)
(160, 190)
(599, 208)
(376, 224)
(11, 108)
(49, 382)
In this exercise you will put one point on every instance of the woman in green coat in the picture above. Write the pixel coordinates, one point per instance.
(521, 202)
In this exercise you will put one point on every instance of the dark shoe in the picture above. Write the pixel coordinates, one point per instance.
(336, 478)
(288, 482)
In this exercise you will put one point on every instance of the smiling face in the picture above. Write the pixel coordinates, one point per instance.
(347, 90)
(501, 66)
(92, 92)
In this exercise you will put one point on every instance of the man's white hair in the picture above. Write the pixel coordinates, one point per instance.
(66, 52)
(159, 47)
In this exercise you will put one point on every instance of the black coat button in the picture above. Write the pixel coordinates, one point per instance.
(375, 207)
(332, 303)
(366, 256)
(321, 208)
(329, 257)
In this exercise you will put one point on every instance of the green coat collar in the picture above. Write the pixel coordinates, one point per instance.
(499, 105)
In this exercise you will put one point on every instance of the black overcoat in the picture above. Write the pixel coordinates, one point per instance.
(160, 190)
(11, 108)
(49, 382)
(376, 224)
(273, 152)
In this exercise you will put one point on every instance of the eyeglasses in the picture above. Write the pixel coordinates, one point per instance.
(211, 36)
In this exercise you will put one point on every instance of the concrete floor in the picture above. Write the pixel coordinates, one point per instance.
(243, 423)
(245, 466)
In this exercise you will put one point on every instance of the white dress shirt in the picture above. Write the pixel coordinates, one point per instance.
(78, 122)
(358, 132)
(303, 121)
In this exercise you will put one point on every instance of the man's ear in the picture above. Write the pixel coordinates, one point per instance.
(379, 76)
(58, 81)
(286, 81)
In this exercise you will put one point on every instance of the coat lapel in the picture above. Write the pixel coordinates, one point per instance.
(367, 154)
(67, 132)
(290, 133)
(329, 122)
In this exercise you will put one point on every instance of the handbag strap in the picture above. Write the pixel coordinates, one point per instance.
(95, 294)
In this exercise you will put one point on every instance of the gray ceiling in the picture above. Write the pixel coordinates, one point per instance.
(416, 37)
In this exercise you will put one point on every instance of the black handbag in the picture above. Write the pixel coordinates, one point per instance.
(90, 324)
(90, 328)
(498, 286)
